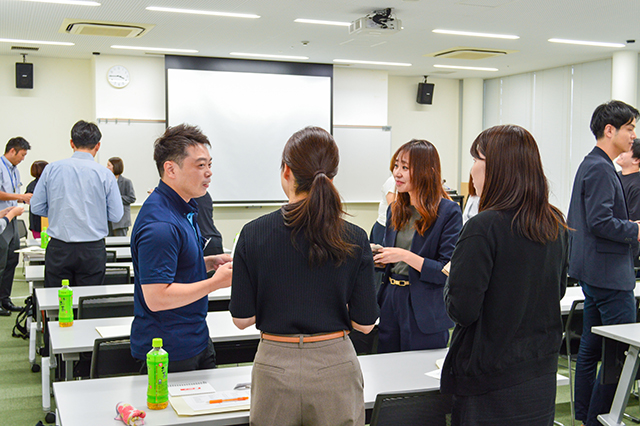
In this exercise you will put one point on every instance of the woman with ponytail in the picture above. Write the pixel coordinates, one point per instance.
(422, 228)
(305, 277)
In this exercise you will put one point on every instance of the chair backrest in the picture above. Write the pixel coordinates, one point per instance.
(112, 357)
(117, 275)
(111, 256)
(105, 306)
(22, 228)
(412, 408)
(573, 328)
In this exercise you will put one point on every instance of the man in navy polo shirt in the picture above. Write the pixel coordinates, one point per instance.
(171, 284)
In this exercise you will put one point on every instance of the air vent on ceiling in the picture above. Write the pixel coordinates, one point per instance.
(104, 29)
(471, 53)
(30, 49)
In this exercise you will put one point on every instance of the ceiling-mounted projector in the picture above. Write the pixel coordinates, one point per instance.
(378, 22)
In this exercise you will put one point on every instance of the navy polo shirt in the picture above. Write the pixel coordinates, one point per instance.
(166, 247)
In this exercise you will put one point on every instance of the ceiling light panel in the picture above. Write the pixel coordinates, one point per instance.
(264, 55)
(472, 34)
(456, 67)
(155, 49)
(71, 2)
(319, 22)
(352, 61)
(586, 43)
(54, 43)
(203, 12)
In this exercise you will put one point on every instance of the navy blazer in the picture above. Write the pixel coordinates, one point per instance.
(436, 246)
(602, 240)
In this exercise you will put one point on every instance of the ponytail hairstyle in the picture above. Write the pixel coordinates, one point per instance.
(426, 179)
(515, 181)
(312, 155)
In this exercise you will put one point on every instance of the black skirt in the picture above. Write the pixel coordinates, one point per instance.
(528, 403)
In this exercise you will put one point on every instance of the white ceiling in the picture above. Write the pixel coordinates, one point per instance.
(535, 21)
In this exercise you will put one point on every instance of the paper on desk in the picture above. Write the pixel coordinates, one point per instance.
(203, 401)
(114, 330)
(436, 373)
(190, 388)
(183, 408)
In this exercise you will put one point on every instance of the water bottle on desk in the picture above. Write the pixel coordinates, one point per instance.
(157, 368)
(65, 299)
(44, 235)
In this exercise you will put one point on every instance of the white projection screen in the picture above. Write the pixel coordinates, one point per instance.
(248, 109)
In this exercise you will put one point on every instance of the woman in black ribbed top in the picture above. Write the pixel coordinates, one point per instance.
(305, 277)
(508, 274)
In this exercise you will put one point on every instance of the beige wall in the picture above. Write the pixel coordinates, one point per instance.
(44, 115)
(438, 123)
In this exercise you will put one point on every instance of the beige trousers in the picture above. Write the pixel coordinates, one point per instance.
(307, 384)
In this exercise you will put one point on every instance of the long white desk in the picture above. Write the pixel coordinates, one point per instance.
(629, 334)
(69, 342)
(35, 273)
(78, 401)
(32, 254)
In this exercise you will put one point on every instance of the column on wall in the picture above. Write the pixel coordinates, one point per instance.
(472, 107)
(624, 82)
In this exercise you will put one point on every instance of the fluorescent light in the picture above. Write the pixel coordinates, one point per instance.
(155, 49)
(350, 61)
(55, 43)
(467, 33)
(319, 22)
(466, 68)
(72, 2)
(585, 43)
(203, 12)
(262, 55)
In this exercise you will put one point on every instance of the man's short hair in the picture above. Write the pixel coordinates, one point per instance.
(616, 113)
(173, 144)
(118, 165)
(18, 143)
(85, 135)
(635, 149)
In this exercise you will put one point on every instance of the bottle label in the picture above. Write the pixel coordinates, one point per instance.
(158, 390)
(65, 299)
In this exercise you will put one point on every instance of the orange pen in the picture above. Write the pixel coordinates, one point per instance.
(218, 401)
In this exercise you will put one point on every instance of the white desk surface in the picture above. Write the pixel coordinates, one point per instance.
(108, 241)
(37, 254)
(47, 298)
(36, 272)
(78, 401)
(81, 335)
(575, 293)
(625, 333)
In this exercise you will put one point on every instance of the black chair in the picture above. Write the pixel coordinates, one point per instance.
(112, 357)
(412, 408)
(111, 256)
(236, 352)
(572, 335)
(105, 306)
(117, 275)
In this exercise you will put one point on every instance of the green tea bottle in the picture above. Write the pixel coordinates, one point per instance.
(65, 310)
(157, 367)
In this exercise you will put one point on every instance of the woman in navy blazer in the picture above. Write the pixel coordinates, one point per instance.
(422, 228)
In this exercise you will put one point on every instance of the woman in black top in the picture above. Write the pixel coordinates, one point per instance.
(508, 274)
(304, 276)
(34, 220)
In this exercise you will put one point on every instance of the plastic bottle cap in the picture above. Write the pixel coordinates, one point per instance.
(65, 282)
(157, 342)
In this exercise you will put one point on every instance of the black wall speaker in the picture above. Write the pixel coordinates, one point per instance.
(24, 75)
(425, 93)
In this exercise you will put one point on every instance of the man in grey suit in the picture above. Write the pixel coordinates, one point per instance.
(603, 243)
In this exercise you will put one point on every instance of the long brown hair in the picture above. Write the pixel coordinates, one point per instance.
(514, 180)
(312, 155)
(426, 179)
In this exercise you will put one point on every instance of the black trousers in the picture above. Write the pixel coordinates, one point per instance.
(9, 243)
(82, 264)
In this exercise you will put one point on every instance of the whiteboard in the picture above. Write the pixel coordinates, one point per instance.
(365, 155)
